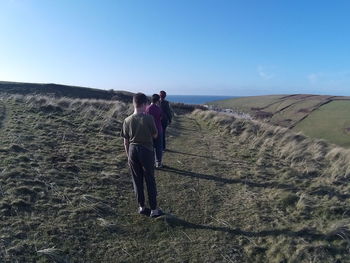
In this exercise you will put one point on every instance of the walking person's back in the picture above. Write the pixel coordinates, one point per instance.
(155, 111)
(167, 115)
(138, 132)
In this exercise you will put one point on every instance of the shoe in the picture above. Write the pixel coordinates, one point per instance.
(144, 211)
(156, 213)
(159, 165)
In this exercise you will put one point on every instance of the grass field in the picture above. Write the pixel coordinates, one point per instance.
(299, 111)
(247, 103)
(240, 193)
(330, 122)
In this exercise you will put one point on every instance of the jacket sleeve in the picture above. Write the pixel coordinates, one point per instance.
(152, 126)
(169, 111)
(125, 131)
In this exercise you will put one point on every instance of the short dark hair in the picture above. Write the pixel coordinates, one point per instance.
(155, 98)
(139, 99)
(162, 94)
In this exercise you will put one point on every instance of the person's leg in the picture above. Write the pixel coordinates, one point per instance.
(161, 147)
(137, 174)
(147, 161)
(164, 125)
(158, 146)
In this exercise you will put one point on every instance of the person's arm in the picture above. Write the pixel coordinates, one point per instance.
(155, 131)
(153, 127)
(169, 112)
(126, 146)
(161, 113)
(125, 135)
(155, 135)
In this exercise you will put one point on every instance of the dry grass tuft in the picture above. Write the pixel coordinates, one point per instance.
(54, 254)
(309, 156)
(340, 229)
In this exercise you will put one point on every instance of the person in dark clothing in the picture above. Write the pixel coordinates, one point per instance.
(138, 132)
(167, 115)
(156, 112)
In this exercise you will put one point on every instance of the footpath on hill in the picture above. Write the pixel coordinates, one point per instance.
(218, 178)
(66, 194)
(198, 166)
(223, 206)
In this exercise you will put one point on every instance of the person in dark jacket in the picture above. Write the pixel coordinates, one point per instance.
(167, 115)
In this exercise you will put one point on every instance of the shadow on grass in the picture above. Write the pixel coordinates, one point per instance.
(177, 128)
(174, 129)
(275, 185)
(188, 129)
(309, 234)
(228, 180)
(329, 191)
(197, 155)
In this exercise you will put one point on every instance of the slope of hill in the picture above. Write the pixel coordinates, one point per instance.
(66, 195)
(310, 114)
(330, 122)
(63, 91)
(59, 91)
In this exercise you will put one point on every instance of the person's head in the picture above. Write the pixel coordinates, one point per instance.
(140, 101)
(155, 98)
(162, 94)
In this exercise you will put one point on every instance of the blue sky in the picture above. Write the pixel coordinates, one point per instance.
(185, 47)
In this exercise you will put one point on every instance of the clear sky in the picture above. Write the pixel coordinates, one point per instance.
(216, 47)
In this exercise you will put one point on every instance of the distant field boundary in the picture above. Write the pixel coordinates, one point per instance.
(283, 98)
(265, 112)
(316, 108)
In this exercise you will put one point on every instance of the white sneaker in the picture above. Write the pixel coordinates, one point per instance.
(157, 212)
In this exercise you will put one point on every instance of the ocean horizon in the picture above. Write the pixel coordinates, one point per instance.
(197, 99)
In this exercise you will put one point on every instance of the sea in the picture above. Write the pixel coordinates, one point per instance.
(196, 99)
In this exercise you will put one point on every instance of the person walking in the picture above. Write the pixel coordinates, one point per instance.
(138, 132)
(167, 115)
(156, 112)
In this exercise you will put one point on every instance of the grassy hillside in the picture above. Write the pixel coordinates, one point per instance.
(247, 103)
(243, 191)
(301, 113)
(58, 160)
(293, 183)
(330, 122)
(63, 91)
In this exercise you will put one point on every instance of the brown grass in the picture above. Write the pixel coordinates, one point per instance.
(306, 154)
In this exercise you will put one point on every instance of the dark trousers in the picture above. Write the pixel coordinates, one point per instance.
(164, 125)
(158, 147)
(141, 163)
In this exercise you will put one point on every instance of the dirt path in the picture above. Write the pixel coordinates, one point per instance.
(224, 201)
(212, 171)
(198, 166)
(217, 192)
